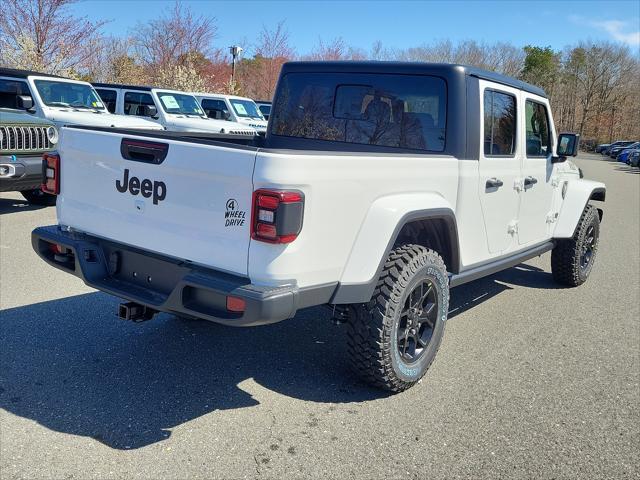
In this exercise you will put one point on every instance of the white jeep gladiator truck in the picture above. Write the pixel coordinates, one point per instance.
(174, 110)
(377, 188)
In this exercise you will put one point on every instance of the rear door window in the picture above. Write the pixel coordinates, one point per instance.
(401, 111)
(134, 103)
(499, 124)
(215, 108)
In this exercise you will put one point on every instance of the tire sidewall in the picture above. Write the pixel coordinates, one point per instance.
(413, 372)
(593, 221)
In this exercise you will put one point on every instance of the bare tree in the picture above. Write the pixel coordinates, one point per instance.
(258, 76)
(336, 49)
(170, 39)
(42, 35)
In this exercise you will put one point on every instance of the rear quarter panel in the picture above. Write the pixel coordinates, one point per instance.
(352, 205)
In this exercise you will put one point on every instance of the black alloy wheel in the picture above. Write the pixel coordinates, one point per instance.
(417, 321)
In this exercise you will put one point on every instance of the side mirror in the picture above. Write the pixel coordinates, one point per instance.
(567, 146)
(24, 102)
(152, 111)
(226, 115)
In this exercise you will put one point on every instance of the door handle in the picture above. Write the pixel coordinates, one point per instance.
(494, 183)
(530, 181)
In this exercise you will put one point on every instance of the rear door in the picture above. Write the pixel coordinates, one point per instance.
(193, 205)
(500, 165)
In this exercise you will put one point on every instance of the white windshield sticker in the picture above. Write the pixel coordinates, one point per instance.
(240, 109)
(170, 101)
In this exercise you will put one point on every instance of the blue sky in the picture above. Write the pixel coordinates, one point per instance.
(398, 24)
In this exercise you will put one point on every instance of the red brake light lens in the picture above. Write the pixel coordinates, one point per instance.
(266, 231)
(268, 201)
(51, 184)
(277, 215)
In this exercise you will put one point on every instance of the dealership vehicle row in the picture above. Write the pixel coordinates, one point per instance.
(34, 106)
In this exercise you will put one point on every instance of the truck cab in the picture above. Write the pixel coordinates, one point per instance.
(232, 108)
(171, 109)
(60, 100)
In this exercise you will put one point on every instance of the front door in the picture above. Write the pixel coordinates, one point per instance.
(500, 166)
(537, 169)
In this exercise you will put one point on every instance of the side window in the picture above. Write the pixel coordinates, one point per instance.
(499, 123)
(9, 90)
(109, 98)
(134, 103)
(215, 108)
(538, 133)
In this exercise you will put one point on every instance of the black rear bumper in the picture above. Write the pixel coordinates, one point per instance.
(26, 173)
(170, 285)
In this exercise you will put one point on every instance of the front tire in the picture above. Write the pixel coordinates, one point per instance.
(38, 197)
(394, 338)
(572, 259)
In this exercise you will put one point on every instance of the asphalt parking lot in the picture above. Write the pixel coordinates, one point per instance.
(531, 380)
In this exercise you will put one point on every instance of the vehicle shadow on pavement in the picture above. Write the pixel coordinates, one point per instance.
(13, 205)
(471, 294)
(73, 367)
(628, 169)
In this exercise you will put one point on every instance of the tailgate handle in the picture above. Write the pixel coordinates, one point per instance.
(143, 151)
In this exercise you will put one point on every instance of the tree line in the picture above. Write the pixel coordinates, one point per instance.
(594, 87)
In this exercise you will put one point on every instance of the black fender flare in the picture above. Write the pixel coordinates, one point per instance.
(362, 292)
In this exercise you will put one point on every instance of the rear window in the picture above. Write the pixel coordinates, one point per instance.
(401, 111)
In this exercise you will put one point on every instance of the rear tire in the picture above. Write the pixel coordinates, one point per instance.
(38, 197)
(394, 338)
(572, 259)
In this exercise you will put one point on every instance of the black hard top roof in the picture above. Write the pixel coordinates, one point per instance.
(410, 68)
(14, 72)
(119, 85)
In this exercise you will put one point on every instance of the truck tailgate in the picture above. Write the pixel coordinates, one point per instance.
(193, 205)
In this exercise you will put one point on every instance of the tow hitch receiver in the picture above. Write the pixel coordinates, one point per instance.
(135, 312)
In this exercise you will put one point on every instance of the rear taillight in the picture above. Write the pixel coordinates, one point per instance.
(51, 183)
(277, 215)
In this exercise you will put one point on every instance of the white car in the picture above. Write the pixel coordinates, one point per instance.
(232, 108)
(174, 110)
(378, 187)
(60, 100)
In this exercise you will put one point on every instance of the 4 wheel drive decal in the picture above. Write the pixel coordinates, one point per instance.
(233, 216)
(145, 187)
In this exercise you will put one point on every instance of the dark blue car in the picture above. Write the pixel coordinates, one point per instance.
(623, 154)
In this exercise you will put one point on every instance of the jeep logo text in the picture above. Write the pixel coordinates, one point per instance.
(145, 187)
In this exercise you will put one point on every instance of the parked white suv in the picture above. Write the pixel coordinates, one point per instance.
(60, 100)
(378, 187)
(174, 110)
(232, 108)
